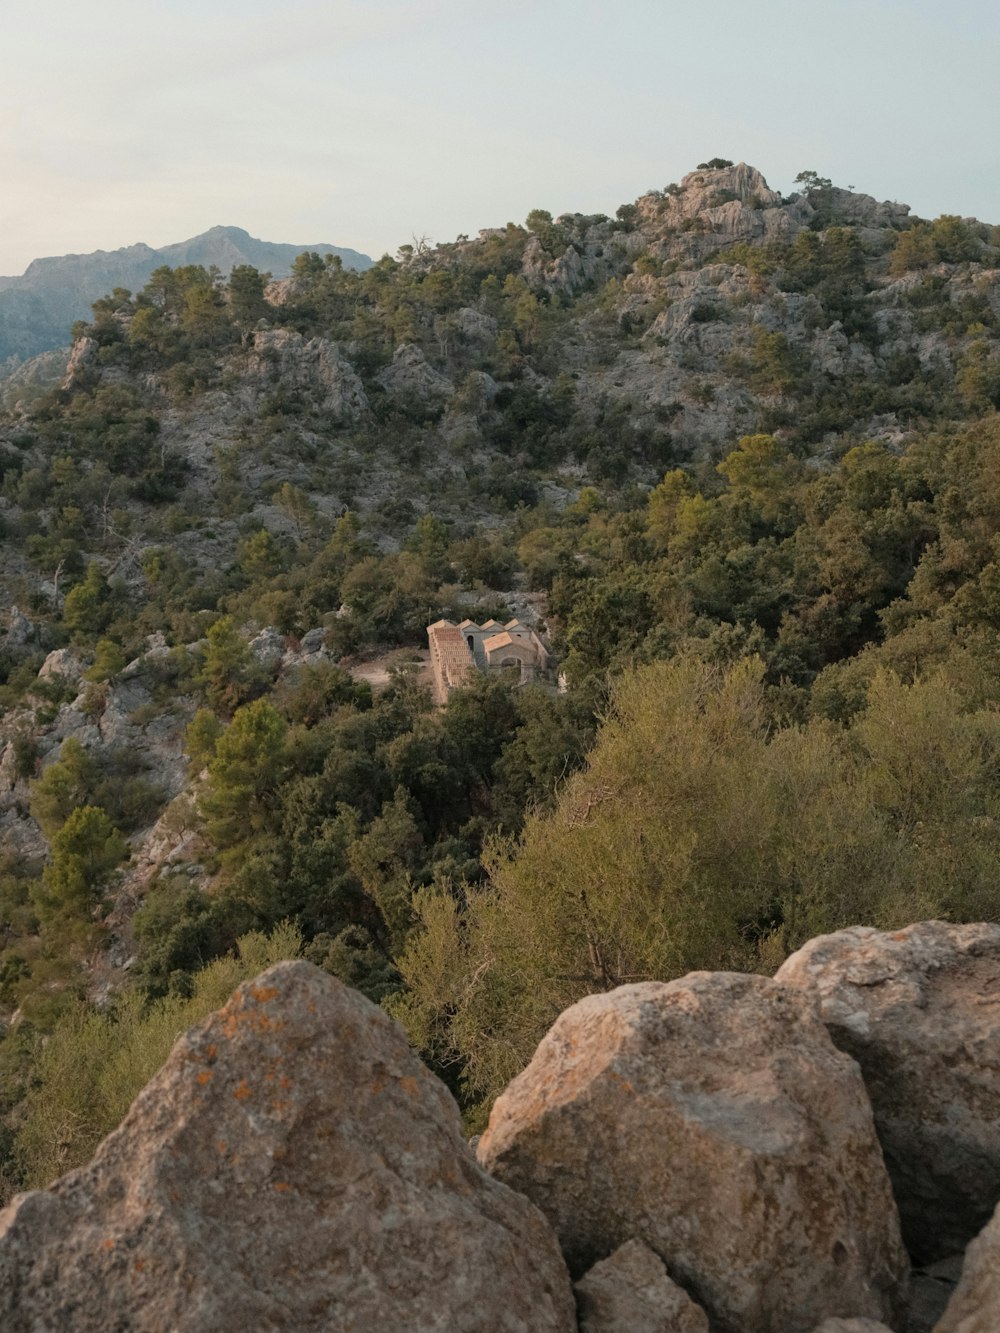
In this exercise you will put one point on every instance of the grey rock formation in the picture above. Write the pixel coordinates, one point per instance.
(411, 377)
(314, 366)
(20, 632)
(734, 203)
(713, 1119)
(848, 206)
(631, 1292)
(919, 1009)
(23, 382)
(292, 1166)
(268, 647)
(565, 275)
(975, 1306)
(474, 326)
(82, 354)
(62, 664)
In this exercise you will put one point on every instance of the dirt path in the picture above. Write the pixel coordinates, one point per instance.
(377, 671)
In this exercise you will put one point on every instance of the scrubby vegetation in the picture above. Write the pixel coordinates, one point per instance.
(747, 475)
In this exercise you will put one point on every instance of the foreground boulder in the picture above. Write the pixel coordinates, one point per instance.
(712, 1118)
(632, 1293)
(975, 1305)
(919, 1009)
(292, 1166)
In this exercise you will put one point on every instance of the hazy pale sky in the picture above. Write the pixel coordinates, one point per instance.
(368, 122)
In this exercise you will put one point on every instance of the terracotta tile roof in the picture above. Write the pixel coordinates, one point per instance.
(497, 641)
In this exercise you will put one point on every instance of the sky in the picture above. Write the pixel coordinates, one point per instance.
(369, 123)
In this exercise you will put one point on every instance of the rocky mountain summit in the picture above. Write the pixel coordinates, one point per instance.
(701, 1152)
(703, 312)
(38, 308)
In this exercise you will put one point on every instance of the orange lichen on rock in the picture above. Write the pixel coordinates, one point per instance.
(374, 1218)
(236, 1016)
(205, 1076)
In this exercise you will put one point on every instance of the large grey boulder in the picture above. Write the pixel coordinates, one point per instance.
(975, 1305)
(919, 1009)
(712, 1118)
(631, 1292)
(292, 1166)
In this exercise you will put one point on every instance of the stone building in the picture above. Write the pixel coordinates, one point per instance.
(458, 650)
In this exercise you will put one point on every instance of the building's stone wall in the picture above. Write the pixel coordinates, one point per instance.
(458, 650)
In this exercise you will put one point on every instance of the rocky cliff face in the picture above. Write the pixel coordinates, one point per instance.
(701, 1147)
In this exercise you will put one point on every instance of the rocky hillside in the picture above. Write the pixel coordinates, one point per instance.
(732, 454)
(702, 1156)
(709, 310)
(38, 308)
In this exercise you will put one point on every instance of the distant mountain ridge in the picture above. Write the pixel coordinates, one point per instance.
(38, 308)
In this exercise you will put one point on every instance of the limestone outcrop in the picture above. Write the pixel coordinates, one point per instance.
(712, 1118)
(314, 366)
(919, 1009)
(292, 1166)
(411, 377)
(631, 1292)
(61, 664)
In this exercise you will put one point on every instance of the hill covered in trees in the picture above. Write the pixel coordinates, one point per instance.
(38, 307)
(736, 453)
